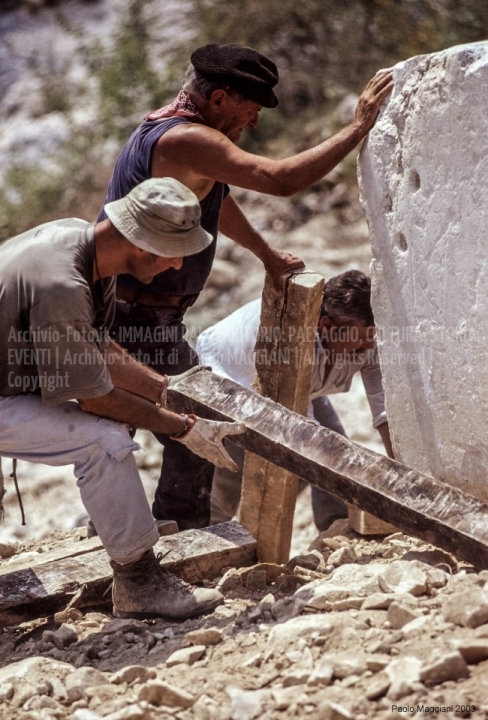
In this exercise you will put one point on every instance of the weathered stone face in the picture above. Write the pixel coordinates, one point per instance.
(424, 182)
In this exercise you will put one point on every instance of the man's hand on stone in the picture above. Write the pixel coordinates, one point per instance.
(375, 92)
(205, 439)
(278, 263)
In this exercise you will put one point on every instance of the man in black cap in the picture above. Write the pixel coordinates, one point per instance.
(193, 140)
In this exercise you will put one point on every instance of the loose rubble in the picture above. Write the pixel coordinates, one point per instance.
(360, 640)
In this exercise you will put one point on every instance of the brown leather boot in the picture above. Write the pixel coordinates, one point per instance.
(144, 589)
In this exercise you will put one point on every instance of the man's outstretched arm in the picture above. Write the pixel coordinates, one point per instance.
(192, 152)
(136, 396)
(139, 408)
(135, 411)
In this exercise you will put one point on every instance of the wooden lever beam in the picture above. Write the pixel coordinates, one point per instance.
(414, 502)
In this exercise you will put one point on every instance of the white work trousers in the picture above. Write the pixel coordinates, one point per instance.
(101, 451)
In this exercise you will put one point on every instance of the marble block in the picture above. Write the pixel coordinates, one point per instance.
(423, 174)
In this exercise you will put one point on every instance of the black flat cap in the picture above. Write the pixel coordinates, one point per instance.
(242, 68)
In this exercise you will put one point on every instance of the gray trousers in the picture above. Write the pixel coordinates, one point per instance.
(101, 452)
(226, 488)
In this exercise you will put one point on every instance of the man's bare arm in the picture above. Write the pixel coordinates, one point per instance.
(134, 377)
(236, 226)
(203, 437)
(193, 152)
(136, 411)
(134, 397)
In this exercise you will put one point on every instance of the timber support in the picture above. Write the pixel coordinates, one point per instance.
(284, 359)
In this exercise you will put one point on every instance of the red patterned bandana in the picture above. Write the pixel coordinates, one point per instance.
(181, 106)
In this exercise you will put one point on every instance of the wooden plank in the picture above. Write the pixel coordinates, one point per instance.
(193, 555)
(414, 502)
(284, 359)
(70, 548)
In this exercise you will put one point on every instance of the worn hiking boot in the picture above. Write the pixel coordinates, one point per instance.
(144, 589)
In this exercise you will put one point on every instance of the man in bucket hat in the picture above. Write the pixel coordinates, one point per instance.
(57, 285)
(194, 140)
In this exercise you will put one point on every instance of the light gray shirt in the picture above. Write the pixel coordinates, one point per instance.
(228, 348)
(54, 320)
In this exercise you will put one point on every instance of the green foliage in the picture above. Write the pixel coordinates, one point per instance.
(30, 196)
(129, 87)
(30, 193)
(55, 92)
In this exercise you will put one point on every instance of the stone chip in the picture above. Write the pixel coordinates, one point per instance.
(157, 692)
(399, 615)
(187, 655)
(205, 636)
(246, 704)
(82, 678)
(473, 651)
(450, 666)
(333, 711)
(403, 673)
(133, 673)
(403, 577)
(468, 608)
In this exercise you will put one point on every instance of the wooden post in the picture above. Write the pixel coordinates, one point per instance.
(284, 359)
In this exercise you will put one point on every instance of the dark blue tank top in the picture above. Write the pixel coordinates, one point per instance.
(133, 166)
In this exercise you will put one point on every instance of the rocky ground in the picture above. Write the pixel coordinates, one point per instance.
(355, 627)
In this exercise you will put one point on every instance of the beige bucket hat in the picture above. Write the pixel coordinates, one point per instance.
(161, 216)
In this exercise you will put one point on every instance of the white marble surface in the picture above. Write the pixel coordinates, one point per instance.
(424, 182)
